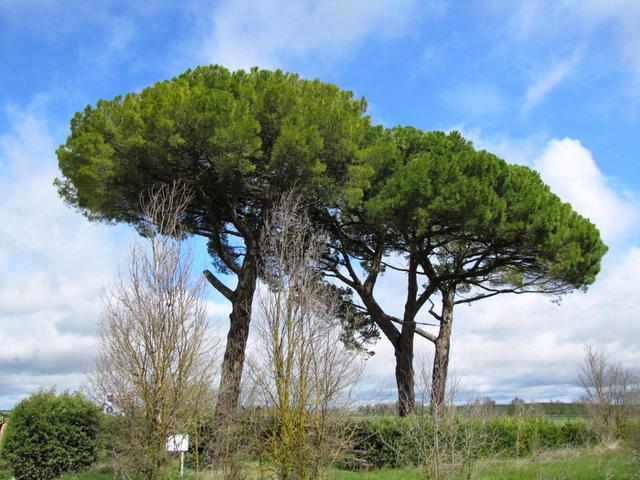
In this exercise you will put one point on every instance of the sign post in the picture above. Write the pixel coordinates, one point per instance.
(179, 443)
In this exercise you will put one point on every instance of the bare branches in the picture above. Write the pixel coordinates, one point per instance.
(163, 209)
(612, 391)
(156, 355)
(303, 372)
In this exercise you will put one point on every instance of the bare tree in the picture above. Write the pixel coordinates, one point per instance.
(611, 391)
(155, 353)
(302, 370)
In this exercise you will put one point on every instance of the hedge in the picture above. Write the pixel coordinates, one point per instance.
(50, 434)
(391, 441)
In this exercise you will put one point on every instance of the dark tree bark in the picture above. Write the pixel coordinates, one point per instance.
(241, 299)
(441, 357)
(233, 361)
(404, 372)
(400, 332)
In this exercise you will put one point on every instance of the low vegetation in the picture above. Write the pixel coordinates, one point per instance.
(51, 434)
(390, 441)
(584, 463)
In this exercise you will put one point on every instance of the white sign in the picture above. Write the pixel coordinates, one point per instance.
(178, 443)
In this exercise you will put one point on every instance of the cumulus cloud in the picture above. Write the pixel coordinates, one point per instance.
(266, 33)
(53, 265)
(569, 168)
(571, 172)
(543, 342)
(523, 345)
(520, 150)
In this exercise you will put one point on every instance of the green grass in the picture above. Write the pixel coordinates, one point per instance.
(102, 474)
(398, 474)
(581, 464)
(567, 418)
(577, 464)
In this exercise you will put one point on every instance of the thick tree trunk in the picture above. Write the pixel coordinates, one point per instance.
(233, 361)
(404, 372)
(441, 358)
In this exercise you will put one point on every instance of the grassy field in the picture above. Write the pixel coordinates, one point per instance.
(594, 463)
(581, 464)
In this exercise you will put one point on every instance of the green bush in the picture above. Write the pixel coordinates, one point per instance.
(390, 441)
(50, 434)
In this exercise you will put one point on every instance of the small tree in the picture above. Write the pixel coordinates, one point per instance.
(155, 358)
(50, 435)
(302, 371)
(611, 392)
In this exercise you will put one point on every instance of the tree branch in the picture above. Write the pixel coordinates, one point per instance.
(218, 285)
(418, 330)
(434, 314)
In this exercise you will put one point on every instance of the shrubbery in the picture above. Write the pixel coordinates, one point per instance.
(383, 441)
(51, 434)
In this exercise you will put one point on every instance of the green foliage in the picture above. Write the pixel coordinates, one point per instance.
(383, 442)
(435, 192)
(237, 138)
(51, 434)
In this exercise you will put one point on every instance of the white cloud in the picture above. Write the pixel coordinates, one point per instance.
(265, 33)
(548, 81)
(53, 265)
(514, 150)
(525, 345)
(542, 342)
(558, 24)
(571, 172)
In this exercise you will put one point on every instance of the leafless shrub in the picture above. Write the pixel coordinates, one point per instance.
(156, 356)
(302, 371)
(445, 442)
(611, 392)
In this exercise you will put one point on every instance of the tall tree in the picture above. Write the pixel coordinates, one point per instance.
(155, 356)
(462, 225)
(238, 140)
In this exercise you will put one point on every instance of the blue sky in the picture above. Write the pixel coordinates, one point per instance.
(551, 84)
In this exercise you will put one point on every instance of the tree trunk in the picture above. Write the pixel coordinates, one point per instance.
(233, 361)
(441, 358)
(404, 372)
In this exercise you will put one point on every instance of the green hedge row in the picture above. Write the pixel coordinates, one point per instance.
(391, 441)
